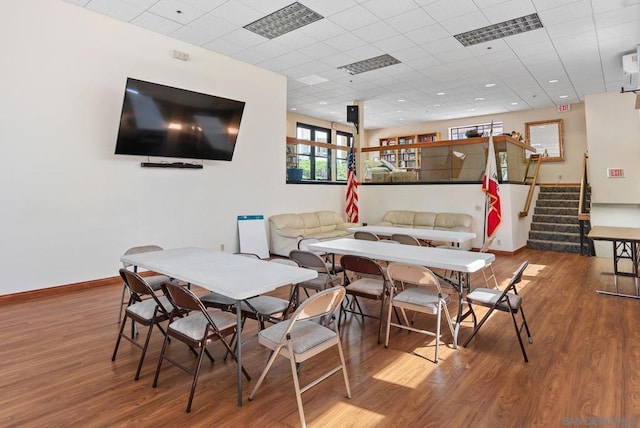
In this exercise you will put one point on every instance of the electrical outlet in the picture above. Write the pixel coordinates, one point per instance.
(221, 247)
(497, 241)
(559, 177)
(478, 208)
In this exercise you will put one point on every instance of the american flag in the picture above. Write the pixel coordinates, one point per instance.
(352, 188)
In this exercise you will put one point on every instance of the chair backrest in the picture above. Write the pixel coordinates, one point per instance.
(487, 244)
(141, 249)
(139, 287)
(182, 298)
(367, 236)
(363, 266)
(413, 275)
(309, 259)
(322, 303)
(135, 282)
(287, 262)
(405, 239)
(510, 288)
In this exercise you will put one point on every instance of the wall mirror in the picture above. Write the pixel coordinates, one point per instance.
(545, 137)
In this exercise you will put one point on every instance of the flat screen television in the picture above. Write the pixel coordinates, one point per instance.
(159, 120)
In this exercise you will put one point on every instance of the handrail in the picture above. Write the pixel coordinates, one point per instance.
(532, 188)
(582, 214)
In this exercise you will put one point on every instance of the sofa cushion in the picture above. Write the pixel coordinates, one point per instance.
(425, 220)
(287, 221)
(453, 221)
(399, 218)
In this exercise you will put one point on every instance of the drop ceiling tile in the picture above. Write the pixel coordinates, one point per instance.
(204, 5)
(212, 26)
(376, 31)
(266, 7)
(393, 44)
(618, 16)
(328, 8)
(115, 8)
(345, 42)
(464, 23)
(322, 29)
(353, 18)
(191, 35)
(442, 10)
(237, 13)
(385, 9)
(509, 10)
(176, 11)
(319, 50)
(225, 47)
(411, 20)
(542, 5)
(427, 34)
(577, 26)
(295, 40)
(244, 38)
(155, 23)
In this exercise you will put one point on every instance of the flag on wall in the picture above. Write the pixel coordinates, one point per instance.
(352, 188)
(490, 187)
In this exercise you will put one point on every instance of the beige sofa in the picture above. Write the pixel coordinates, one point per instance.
(287, 229)
(430, 220)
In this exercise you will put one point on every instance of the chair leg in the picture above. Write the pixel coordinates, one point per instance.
(526, 326)
(477, 327)
(450, 322)
(124, 289)
(144, 351)
(162, 351)
(296, 384)
(438, 323)
(344, 367)
(115, 350)
(272, 358)
(386, 340)
(196, 373)
(515, 326)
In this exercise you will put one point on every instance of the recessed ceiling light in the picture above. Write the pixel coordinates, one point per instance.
(293, 109)
(282, 21)
(553, 81)
(479, 99)
(399, 111)
(400, 101)
(436, 105)
(490, 85)
(563, 96)
(312, 79)
(323, 103)
(441, 93)
(369, 64)
(471, 109)
(500, 30)
(514, 104)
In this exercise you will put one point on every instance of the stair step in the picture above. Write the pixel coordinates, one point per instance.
(560, 219)
(558, 203)
(556, 211)
(556, 227)
(564, 247)
(560, 189)
(544, 235)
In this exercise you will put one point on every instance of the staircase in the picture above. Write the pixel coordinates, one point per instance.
(555, 225)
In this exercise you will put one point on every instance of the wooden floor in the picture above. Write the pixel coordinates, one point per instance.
(584, 366)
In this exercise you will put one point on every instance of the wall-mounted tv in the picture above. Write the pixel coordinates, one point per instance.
(159, 120)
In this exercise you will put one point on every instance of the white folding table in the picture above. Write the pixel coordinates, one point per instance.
(230, 275)
(460, 261)
(452, 236)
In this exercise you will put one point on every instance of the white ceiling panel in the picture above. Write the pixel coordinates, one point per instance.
(581, 45)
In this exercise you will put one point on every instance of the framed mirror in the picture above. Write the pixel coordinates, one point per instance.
(545, 137)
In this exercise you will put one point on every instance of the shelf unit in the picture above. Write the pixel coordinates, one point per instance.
(403, 151)
(292, 155)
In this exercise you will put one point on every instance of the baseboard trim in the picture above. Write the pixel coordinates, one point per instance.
(60, 289)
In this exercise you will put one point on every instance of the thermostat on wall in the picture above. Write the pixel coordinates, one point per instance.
(615, 172)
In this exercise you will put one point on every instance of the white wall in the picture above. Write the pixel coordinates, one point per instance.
(613, 138)
(69, 207)
(376, 200)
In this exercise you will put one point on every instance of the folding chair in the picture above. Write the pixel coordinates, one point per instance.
(196, 330)
(367, 236)
(507, 300)
(148, 312)
(302, 337)
(329, 259)
(311, 260)
(405, 239)
(369, 281)
(419, 291)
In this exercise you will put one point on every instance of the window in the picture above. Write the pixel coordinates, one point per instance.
(458, 133)
(345, 140)
(315, 161)
(323, 161)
